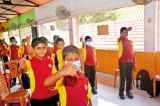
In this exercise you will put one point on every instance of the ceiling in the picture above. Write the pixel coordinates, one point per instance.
(12, 8)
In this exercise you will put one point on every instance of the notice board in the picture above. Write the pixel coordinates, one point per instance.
(103, 30)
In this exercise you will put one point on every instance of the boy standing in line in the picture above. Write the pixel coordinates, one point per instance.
(126, 62)
(39, 68)
(4, 51)
(73, 88)
(14, 50)
(90, 61)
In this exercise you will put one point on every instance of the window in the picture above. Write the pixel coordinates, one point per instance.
(26, 32)
(115, 19)
(159, 25)
(16, 34)
(59, 27)
(6, 37)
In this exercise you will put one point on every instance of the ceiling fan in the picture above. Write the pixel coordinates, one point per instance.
(31, 22)
(62, 12)
(142, 2)
(7, 1)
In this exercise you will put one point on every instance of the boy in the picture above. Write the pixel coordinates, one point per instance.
(39, 68)
(30, 51)
(55, 48)
(90, 61)
(73, 88)
(14, 50)
(126, 62)
(24, 49)
(4, 51)
(60, 44)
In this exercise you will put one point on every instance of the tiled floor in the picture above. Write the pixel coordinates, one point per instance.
(108, 95)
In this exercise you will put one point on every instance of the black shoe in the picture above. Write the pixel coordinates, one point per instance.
(129, 94)
(121, 95)
(94, 91)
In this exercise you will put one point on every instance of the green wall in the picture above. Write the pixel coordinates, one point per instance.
(21, 20)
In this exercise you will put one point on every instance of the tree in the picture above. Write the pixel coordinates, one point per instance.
(97, 17)
(62, 25)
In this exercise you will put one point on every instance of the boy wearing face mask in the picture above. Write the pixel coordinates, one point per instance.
(14, 50)
(72, 86)
(90, 61)
(24, 49)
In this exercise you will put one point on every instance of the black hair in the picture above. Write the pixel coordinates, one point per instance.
(55, 36)
(36, 41)
(87, 37)
(58, 40)
(23, 39)
(44, 38)
(12, 38)
(1, 42)
(122, 29)
(69, 49)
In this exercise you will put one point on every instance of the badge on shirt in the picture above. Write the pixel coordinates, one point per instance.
(85, 87)
(49, 65)
(48, 57)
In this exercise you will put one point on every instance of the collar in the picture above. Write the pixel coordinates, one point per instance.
(125, 38)
(80, 74)
(37, 59)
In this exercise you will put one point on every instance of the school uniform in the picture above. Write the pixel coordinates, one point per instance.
(125, 60)
(55, 48)
(60, 59)
(24, 52)
(4, 53)
(76, 95)
(38, 71)
(15, 52)
(90, 64)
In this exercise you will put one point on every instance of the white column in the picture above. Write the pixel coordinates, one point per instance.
(151, 27)
(73, 31)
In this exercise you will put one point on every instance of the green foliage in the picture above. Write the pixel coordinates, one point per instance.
(62, 25)
(97, 17)
(26, 31)
(88, 19)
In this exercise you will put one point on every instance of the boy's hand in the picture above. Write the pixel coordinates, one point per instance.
(69, 69)
(22, 63)
(3, 40)
(28, 39)
(129, 29)
(134, 67)
(81, 39)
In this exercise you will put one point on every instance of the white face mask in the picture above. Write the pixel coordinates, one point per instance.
(76, 63)
(88, 43)
(25, 43)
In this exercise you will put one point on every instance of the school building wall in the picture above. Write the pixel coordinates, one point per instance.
(107, 59)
